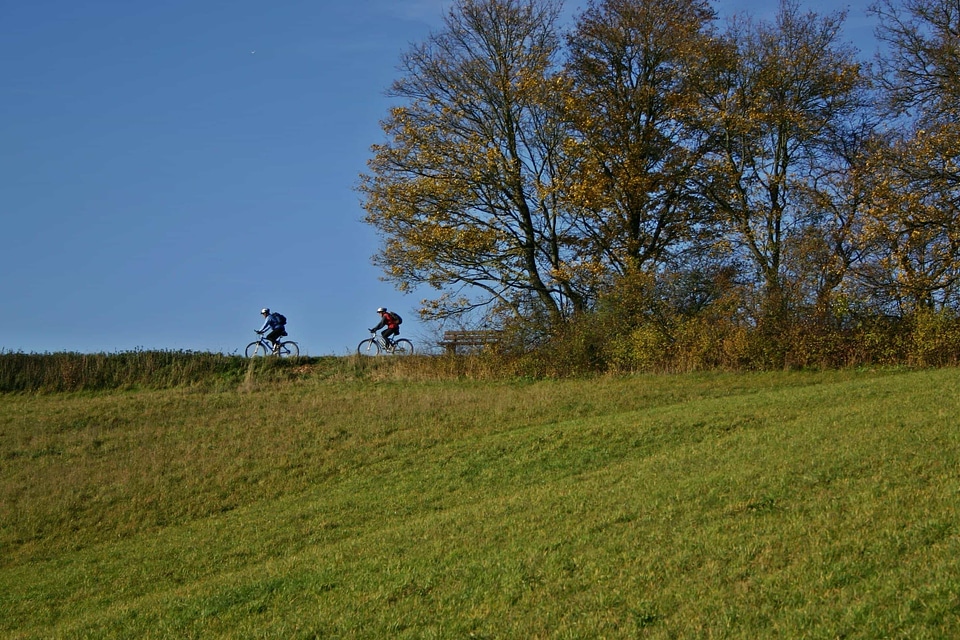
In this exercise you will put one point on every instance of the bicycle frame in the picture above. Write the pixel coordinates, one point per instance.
(380, 341)
(400, 346)
(284, 347)
(269, 348)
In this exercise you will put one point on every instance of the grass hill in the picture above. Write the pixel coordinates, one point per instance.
(344, 499)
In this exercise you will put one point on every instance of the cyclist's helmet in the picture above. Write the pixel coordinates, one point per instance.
(264, 312)
(381, 309)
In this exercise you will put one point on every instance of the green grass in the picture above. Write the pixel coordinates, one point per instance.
(355, 501)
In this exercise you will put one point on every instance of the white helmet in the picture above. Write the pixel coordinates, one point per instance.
(381, 309)
(264, 312)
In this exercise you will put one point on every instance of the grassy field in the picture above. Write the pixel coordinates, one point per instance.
(345, 500)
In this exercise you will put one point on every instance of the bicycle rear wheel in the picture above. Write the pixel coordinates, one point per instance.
(402, 347)
(256, 349)
(289, 349)
(368, 347)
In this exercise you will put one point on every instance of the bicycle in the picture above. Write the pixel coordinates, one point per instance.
(375, 345)
(261, 347)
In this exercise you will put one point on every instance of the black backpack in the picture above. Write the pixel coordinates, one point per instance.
(396, 317)
(282, 319)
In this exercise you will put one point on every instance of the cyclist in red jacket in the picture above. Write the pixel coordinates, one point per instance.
(389, 321)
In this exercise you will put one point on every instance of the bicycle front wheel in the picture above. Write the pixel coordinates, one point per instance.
(368, 347)
(289, 350)
(402, 347)
(256, 349)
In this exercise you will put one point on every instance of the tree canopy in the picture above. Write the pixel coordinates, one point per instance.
(531, 168)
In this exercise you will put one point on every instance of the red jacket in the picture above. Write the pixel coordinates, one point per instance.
(386, 320)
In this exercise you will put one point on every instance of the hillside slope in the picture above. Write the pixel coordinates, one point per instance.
(721, 505)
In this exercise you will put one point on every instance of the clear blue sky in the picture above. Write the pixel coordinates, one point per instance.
(169, 168)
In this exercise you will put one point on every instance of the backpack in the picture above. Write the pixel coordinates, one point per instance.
(396, 317)
(282, 319)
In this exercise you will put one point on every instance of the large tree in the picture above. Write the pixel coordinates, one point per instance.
(913, 230)
(826, 246)
(628, 65)
(463, 191)
(773, 96)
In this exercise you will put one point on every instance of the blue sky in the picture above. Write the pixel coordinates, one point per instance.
(169, 168)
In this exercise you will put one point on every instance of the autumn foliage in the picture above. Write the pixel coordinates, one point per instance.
(651, 187)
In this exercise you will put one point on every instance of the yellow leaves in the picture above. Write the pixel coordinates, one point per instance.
(588, 273)
(910, 223)
(587, 193)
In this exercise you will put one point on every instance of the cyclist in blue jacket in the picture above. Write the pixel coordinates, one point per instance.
(273, 322)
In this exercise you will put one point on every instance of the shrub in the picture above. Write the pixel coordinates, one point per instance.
(934, 338)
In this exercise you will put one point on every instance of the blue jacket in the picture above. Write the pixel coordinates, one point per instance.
(272, 322)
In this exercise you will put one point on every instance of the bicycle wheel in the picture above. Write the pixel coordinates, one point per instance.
(368, 347)
(402, 347)
(289, 349)
(255, 349)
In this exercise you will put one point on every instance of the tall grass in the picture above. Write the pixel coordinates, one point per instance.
(351, 502)
(68, 371)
